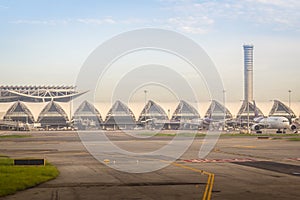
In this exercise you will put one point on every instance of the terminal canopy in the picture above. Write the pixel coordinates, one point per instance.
(184, 112)
(119, 114)
(152, 111)
(217, 111)
(19, 112)
(280, 109)
(243, 112)
(53, 115)
(87, 114)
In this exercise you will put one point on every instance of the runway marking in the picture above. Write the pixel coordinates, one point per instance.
(209, 183)
(273, 166)
(210, 179)
(54, 195)
(219, 160)
(293, 159)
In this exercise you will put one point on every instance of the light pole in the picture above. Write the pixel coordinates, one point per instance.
(169, 126)
(145, 91)
(290, 91)
(248, 131)
(224, 99)
(70, 104)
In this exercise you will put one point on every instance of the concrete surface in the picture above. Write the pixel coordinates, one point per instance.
(83, 177)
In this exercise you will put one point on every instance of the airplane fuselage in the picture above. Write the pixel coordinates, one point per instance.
(273, 123)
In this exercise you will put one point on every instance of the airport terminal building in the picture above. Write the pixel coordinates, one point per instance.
(48, 107)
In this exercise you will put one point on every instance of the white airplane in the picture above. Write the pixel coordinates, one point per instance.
(279, 123)
(204, 123)
(201, 123)
(154, 123)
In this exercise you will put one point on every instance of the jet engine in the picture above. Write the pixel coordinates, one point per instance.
(255, 127)
(294, 127)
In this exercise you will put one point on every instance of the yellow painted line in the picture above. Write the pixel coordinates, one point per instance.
(209, 183)
(206, 188)
(211, 186)
(191, 168)
(210, 179)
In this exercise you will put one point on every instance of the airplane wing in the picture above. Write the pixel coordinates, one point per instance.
(264, 125)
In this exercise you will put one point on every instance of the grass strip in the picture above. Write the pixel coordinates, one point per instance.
(14, 136)
(15, 178)
(172, 134)
(221, 135)
(293, 139)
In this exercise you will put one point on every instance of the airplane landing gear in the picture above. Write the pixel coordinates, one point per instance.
(279, 131)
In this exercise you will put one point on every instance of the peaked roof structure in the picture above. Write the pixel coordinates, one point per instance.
(53, 115)
(87, 111)
(185, 111)
(119, 114)
(38, 93)
(152, 111)
(19, 112)
(217, 111)
(243, 112)
(280, 109)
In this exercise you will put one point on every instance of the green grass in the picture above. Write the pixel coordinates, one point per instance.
(262, 134)
(293, 139)
(245, 135)
(221, 135)
(16, 178)
(14, 136)
(172, 134)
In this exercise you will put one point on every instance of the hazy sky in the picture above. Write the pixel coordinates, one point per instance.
(46, 42)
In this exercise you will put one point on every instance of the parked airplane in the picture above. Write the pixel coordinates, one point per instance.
(279, 123)
(154, 123)
(198, 122)
(206, 123)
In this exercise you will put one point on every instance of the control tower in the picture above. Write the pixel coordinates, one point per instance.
(248, 72)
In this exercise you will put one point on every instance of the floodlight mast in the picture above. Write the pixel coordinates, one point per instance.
(145, 91)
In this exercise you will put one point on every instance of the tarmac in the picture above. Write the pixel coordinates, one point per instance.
(243, 168)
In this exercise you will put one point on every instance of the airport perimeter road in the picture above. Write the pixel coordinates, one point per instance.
(244, 168)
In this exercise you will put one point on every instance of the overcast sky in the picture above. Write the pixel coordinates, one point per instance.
(46, 42)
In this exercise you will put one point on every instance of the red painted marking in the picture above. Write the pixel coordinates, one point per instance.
(294, 159)
(219, 160)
